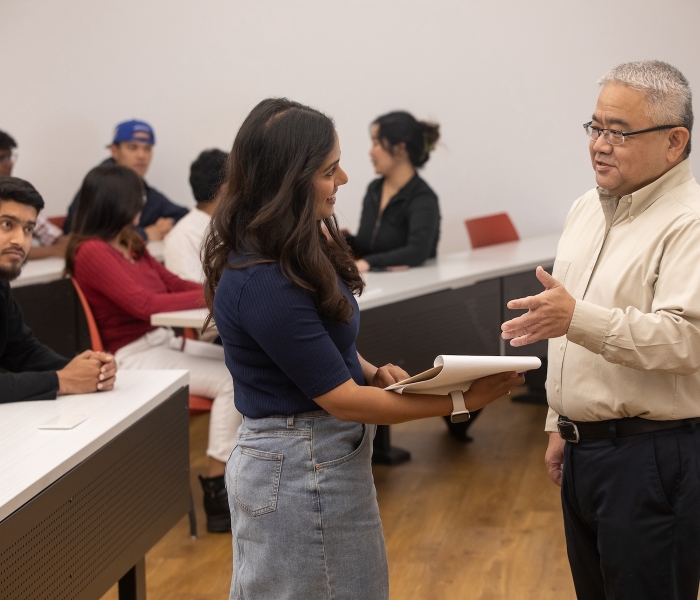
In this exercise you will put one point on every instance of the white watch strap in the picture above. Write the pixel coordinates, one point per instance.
(458, 405)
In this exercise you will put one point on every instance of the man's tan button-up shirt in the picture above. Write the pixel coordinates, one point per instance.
(633, 266)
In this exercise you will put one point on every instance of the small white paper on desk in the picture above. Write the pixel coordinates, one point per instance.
(456, 373)
(63, 422)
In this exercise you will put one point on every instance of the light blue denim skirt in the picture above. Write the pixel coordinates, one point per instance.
(304, 511)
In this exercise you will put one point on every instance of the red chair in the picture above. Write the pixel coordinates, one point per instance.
(95, 337)
(57, 221)
(491, 229)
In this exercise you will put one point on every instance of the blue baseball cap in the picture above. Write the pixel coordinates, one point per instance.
(129, 131)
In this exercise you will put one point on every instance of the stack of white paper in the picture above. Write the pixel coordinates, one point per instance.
(456, 373)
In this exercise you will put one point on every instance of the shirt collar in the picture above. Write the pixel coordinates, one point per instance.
(643, 198)
(405, 192)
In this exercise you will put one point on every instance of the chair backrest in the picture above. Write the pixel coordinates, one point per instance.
(491, 229)
(95, 338)
(57, 221)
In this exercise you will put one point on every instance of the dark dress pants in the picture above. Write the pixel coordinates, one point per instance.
(632, 516)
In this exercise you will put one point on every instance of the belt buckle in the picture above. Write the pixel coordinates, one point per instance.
(568, 431)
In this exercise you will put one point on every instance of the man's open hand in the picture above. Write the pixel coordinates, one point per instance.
(548, 313)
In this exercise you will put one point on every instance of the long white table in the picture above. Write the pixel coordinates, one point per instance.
(449, 272)
(79, 508)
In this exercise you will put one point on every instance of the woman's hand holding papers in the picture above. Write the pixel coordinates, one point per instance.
(487, 389)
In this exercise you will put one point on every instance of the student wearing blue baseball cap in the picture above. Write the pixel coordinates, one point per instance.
(132, 147)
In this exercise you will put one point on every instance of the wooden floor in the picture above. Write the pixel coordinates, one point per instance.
(476, 521)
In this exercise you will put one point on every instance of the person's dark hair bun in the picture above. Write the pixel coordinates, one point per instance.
(431, 132)
(419, 137)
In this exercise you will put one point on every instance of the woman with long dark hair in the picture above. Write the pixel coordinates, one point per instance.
(124, 286)
(280, 284)
(400, 220)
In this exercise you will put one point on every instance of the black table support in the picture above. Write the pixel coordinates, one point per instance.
(384, 453)
(133, 585)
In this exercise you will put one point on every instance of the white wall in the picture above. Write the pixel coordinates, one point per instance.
(509, 81)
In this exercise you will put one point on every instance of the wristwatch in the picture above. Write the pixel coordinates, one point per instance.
(459, 410)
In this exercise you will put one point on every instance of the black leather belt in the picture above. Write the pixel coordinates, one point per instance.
(574, 431)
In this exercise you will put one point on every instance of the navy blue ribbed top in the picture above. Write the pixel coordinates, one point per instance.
(280, 352)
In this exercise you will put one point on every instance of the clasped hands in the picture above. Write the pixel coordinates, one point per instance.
(548, 313)
(88, 372)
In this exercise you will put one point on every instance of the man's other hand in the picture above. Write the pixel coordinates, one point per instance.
(554, 457)
(81, 375)
(548, 313)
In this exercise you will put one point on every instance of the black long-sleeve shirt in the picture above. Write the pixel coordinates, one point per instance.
(406, 233)
(31, 367)
(156, 206)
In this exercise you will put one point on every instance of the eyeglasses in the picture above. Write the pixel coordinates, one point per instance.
(9, 157)
(615, 137)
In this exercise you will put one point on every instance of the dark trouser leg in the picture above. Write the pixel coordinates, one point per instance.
(634, 510)
(581, 540)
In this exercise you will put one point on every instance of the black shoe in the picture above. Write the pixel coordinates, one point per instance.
(216, 504)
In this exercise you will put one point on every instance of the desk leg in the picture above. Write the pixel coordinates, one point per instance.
(384, 453)
(133, 585)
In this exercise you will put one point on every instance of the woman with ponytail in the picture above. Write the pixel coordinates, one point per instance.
(400, 222)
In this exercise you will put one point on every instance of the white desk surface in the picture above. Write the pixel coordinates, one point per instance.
(451, 271)
(46, 270)
(42, 270)
(31, 459)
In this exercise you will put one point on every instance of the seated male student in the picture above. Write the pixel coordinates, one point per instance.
(132, 146)
(181, 248)
(28, 369)
(47, 240)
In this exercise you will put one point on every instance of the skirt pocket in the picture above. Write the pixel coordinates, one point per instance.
(367, 430)
(257, 480)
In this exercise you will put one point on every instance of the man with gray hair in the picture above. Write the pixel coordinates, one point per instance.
(622, 313)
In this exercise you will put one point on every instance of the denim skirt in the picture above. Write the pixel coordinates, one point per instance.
(304, 511)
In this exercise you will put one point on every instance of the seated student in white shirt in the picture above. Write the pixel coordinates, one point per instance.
(181, 247)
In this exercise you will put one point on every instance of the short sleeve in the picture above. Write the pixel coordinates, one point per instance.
(283, 319)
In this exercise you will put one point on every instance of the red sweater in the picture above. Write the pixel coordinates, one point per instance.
(123, 296)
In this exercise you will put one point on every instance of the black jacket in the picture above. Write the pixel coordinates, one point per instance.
(157, 206)
(31, 366)
(408, 230)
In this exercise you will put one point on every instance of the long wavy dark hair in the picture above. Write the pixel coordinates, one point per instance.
(267, 213)
(109, 200)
